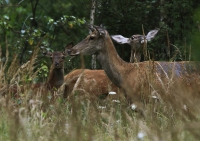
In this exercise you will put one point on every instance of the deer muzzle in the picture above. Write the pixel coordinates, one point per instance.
(56, 64)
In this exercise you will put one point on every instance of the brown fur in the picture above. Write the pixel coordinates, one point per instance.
(93, 82)
(56, 74)
(139, 80)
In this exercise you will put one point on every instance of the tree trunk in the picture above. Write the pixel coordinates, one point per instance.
(93, 63)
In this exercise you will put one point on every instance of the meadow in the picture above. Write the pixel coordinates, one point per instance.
(26, 116)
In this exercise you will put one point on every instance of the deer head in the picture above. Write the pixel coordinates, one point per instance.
(56, 75)
(136, 42)
(91, 44)
(57, 57)
(100, 43)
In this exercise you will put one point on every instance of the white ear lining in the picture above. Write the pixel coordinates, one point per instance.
(152, 34)
(120, 39)
(142, 41)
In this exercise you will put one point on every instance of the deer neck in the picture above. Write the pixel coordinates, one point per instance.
(56, 77)
(110, 61)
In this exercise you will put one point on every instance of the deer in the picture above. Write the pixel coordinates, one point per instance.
(56, 72)
(137, 43)
(97, 85)
(92, 83)
(140, 80)
(55, 77)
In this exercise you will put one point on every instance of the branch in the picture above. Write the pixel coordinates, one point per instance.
(33, 22)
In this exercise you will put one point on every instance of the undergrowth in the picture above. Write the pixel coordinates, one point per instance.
(26, 117)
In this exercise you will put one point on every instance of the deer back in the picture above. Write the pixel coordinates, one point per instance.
(92, 82)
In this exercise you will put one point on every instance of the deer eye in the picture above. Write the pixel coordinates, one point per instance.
(132, 37)
(92, 37)
(63, 57)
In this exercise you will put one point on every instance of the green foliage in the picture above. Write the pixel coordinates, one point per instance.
(127, 18)
(195, 37)
(24, 26)
(174, 18)
(53, 24)
(43, 71)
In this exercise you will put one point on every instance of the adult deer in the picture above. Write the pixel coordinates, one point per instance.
(139, 80)
(137, 43)
(95, 83)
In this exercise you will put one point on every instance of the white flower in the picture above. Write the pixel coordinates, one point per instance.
(141, 135)
(185, 107)
(102, 107)
(155, 97)
(117, 101)
(23, 31)
(133, 106)
(6, 17)
(112, 93)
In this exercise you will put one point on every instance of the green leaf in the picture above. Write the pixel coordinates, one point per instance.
(30, 41)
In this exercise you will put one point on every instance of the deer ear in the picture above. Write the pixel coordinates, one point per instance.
(100, 30)
(91, 27)
(45, 52)
(152, 34)
(120, 39)
(67, 48)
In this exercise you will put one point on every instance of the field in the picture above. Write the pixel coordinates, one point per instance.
(27, 116)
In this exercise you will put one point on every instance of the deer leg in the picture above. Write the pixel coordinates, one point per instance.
(67, 91)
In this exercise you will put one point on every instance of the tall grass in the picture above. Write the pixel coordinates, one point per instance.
(26, 117)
